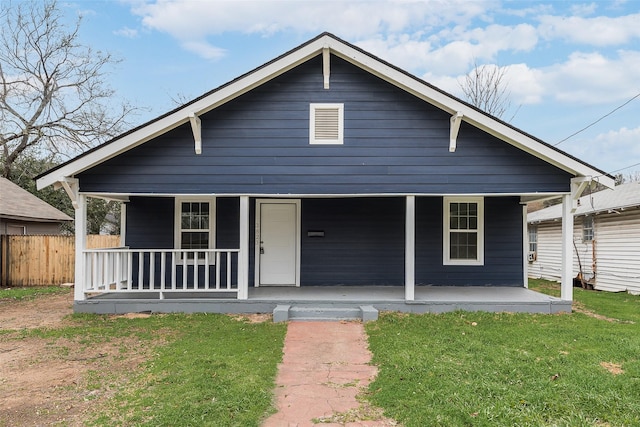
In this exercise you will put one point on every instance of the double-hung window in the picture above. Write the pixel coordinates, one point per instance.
(463, 231)
(587, 229)
(195, 224)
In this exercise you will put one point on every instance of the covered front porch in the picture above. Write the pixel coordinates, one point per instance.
(428, 299)
(383, 252)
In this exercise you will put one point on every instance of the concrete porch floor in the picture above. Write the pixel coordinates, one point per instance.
(428, 299)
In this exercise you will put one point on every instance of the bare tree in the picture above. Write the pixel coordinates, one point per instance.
(486, 87)
(53, 94)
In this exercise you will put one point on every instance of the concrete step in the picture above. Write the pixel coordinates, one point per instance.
(283, 313)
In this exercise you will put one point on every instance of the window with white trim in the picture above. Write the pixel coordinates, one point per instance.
(195, 224)
(533, 239)
(326, 124)
(587, 229)
(463, 231)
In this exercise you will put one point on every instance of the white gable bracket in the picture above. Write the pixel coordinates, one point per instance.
(326, 66)
(196, 127)
(454, 121)
(578, 185)
(72, 187)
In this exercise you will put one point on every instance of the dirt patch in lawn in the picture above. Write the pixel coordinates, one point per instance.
(57, 381)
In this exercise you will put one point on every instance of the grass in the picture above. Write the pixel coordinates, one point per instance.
(17, 294)
(217, 371)
(486, 369)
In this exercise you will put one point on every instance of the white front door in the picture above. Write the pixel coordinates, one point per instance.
(277, 242)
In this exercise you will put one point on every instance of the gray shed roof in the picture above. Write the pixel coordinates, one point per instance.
(18, 204)
(621, 197)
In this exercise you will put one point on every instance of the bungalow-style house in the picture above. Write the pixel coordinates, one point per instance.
(606, 240)
(23, 213)
(327, 175)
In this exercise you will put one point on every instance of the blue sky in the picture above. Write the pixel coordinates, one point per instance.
(568, 63)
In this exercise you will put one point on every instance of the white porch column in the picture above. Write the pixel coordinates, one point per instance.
(410, 249)
(81, 245)
(566, 286)
(243, 255)
(525, 247)
(123, 224)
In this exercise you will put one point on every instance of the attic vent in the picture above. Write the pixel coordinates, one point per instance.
(326, 123)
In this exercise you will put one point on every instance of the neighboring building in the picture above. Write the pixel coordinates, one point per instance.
(23, 213)
(327, 170)
(606, 238)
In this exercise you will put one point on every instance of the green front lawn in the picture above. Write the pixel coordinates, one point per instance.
(485, 369)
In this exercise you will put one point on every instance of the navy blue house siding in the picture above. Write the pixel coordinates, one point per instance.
(503, 245)
(258, 143)
(363, 241)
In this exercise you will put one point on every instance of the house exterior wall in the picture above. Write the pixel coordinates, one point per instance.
(503, 245)
(363, 241)
(613, 256)
(30, 228)
(618, 251)
(258, 143)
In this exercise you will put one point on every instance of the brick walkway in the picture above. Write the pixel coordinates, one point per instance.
(324, 367)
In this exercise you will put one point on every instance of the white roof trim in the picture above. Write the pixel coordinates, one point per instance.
(298, 56)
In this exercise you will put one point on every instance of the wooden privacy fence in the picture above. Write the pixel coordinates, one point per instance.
(43, 260)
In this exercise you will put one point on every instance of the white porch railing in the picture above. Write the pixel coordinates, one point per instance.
(160, 270)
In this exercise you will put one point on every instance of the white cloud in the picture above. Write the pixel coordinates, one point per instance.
(596, 31)
(189, 20)
(593, 78)
(127, 32)
(204, 49)
(583, 9)
(611, 150)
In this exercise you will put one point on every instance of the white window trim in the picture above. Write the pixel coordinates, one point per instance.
(312, 124)
(446, 259)
(178, 220)
(590, 219)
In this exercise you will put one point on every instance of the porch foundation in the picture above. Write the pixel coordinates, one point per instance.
(428, 299)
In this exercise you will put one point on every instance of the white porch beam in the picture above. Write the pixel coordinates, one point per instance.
(454, 122)
(326, 66)
(243, 254)
(410, 249)
(81, 245)
(196, 128)
(566, 286)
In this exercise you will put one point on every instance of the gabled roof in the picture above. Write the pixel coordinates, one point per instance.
(18, 204)
(297, 56)
(624, 196)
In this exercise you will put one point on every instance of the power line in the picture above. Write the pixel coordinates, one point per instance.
(600, 119)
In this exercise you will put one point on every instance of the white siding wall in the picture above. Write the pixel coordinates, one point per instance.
(617, 252)
(583, 251)
(549, 256)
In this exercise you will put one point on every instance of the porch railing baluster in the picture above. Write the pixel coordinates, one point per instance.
(195, 269)
(184, 270)
(217, 270)
(228, 270)
(163, 269)
(206, 270)
(140, 270)
(129, 270)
